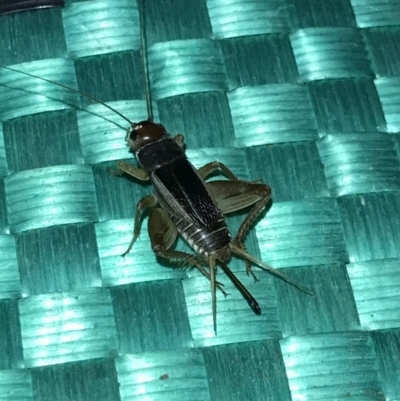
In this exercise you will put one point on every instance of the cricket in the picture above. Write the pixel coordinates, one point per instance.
(184, 204)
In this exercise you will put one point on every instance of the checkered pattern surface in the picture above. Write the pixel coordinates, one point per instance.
(304, 95)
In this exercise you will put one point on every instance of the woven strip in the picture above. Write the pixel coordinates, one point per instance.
(302, 95)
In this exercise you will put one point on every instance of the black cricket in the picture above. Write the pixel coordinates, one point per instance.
(183, 203)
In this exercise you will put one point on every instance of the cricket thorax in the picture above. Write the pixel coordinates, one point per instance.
(160, 153)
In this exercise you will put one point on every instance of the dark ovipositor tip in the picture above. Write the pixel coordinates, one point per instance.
(255, 307)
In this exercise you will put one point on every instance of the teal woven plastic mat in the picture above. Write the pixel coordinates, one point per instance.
(304, 95)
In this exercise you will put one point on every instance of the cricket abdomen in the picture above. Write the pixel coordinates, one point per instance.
(206, 241)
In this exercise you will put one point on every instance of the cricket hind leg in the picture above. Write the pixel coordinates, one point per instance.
(225, 192)
(163, 234)
(235, 195)
(232, 196)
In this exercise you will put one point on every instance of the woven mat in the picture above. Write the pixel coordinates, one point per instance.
(304, 95)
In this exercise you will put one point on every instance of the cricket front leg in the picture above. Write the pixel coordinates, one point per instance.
(133, 171)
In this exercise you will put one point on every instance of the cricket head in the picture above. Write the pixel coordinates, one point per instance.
(144, 133)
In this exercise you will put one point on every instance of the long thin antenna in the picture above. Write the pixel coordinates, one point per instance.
(145, 64)
(72, 90)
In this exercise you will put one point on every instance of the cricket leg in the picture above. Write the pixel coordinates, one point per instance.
(163, 234)
(209, 168)
(133, 171)
(144, 203)
(231, 196)
(180, 140)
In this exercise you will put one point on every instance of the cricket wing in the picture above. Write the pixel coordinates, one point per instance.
(183, 193)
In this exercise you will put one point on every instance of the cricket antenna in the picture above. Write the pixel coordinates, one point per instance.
(145, 64)
(72, 90)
